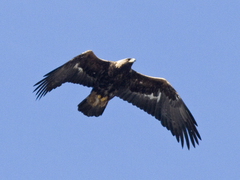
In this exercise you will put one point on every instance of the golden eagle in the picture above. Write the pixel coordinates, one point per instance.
(109, 79)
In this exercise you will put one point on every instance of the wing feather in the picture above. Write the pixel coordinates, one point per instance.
(84, 69)
(158, 98)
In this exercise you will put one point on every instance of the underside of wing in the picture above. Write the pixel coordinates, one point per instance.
(84, 69)
(158, 98)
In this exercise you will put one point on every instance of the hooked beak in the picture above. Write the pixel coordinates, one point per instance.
(132, 60)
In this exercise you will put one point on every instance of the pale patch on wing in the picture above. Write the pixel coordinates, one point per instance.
(152, 97)
(159, 96)
(177, 97)
(78, 68)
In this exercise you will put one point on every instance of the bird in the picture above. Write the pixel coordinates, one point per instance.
(110, 79)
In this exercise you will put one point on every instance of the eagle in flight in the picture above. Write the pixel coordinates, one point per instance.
(109, 79)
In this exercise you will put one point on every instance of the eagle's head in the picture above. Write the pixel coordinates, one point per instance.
(125, 63)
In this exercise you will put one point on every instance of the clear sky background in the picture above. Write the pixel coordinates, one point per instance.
(195, 45)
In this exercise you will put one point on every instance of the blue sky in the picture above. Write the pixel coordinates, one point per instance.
(193, 44)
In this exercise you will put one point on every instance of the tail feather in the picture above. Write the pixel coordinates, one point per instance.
(89, 110)
(93, 105)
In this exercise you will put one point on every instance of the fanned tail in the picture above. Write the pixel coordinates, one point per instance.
(93, 105)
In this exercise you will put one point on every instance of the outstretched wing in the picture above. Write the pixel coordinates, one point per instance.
(158, 98)
(84, 69)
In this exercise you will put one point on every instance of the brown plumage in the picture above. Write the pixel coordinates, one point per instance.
(109, 79)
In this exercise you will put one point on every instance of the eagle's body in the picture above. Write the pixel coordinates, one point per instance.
(109, 79)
